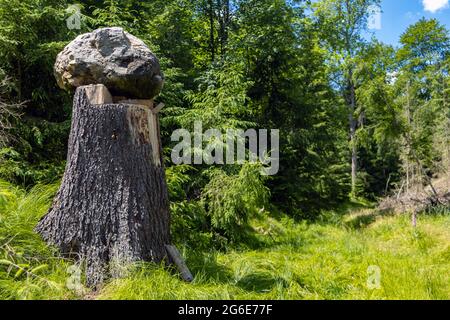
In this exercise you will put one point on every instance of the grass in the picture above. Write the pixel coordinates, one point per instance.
(329, 259)
(28, 268)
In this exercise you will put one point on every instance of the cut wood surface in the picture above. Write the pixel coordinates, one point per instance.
(138, 102)
(98, 94)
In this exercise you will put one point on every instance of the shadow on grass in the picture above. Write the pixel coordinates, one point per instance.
(207, 269)
(339, 215)
(261, 282)
(366, 219)
(206, 266)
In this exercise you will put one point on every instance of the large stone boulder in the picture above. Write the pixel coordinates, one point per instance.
(114, 58)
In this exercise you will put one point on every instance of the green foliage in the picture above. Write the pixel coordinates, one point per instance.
(32, 33)
(268, 72)
(379, 135)
(14, 168)
(422, 95)
(8, 111)
(220, 101)
(232, 199)
(114, 13)
(424, 43)
(174, 29)
(228, 198)
(187, 214)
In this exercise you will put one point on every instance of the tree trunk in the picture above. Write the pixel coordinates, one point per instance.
(212, 45)
(353, 127)
(224, 22)
(112, 206)
(354, 163)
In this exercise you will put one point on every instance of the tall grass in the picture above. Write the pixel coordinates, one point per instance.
(29, 269)
(318, 261)
(289, 260)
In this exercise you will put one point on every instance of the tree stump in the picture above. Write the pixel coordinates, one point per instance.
(113, 203)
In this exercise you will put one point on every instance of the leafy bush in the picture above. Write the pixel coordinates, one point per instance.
(220, 214)
(15, 169)
(231, 199)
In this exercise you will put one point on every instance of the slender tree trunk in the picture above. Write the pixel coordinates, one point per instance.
(212, 45)
(112, 207)
(447, 129)
(353, 127)
(19, 83)
(354, 158)
(224, 22)
(408, 117)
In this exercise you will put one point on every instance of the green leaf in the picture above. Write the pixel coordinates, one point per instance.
(5, 262)
(39, 268)
(19, 273)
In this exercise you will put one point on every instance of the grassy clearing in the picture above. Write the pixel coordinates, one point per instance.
(327, 260)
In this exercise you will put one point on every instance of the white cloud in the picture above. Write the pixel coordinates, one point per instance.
(434, 5)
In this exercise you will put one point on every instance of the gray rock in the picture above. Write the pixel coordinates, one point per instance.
(114, 58)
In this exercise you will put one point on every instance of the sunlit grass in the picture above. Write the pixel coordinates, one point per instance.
(323, 260)
(318, 261)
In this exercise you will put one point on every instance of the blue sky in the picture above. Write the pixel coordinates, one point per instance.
(397, 15)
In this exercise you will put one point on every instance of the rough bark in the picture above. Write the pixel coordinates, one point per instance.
(112, 206)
